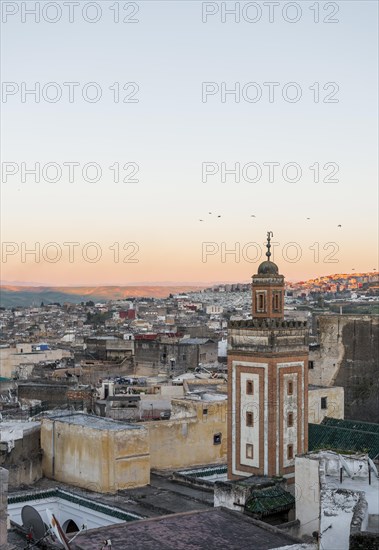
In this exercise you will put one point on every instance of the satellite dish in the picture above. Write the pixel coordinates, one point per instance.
(32, 522)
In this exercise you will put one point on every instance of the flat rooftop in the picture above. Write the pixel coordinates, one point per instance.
(213, 529)
(93, 421)
(15, 426)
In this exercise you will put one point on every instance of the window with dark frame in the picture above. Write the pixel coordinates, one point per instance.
(290, 388)
(249, 387)
(249, 450)
(289, 452)
(250, 419)
(276, 301)
(324, 402)
(217, 439)
(290, 420)
(311, 364)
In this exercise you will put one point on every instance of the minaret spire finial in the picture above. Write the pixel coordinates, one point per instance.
(269, 235)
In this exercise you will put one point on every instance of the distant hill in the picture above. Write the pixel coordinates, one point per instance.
(13, 296)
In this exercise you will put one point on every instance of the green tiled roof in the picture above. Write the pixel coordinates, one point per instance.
(207, 472)
(343, 439)
(269, 501)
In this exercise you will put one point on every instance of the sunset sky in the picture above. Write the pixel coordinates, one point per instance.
(166, 138)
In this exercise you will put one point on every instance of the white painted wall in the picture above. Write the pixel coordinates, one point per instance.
(307, 494)
(335, 403)
(64, 510)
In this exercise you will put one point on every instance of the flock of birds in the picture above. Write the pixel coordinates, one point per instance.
(251, 215)
(254, 216)
(218, 215)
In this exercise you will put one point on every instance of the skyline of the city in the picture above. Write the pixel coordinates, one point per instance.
(194, 283)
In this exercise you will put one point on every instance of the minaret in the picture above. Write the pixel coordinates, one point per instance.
(267, 383)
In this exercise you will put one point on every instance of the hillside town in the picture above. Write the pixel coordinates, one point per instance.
(135, 414)
(189, 278)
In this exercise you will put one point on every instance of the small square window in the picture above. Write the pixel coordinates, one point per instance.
(311, 365)
(290, 388)
(289, 452)
(250, 419)
(290, 420)
(324, 402)
(217, 439)
(249, 387)
(205, 411)
(249, 451)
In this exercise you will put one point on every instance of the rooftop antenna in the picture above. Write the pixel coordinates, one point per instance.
(56, 528)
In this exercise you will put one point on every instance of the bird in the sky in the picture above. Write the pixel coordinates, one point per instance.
(201, 220)
(209, 212)
(308, 218)
(219, 216)
(339, 225)
(253, 215)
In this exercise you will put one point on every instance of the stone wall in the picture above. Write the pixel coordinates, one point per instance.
(24, 461)
(156, 356)
(90, 374)
(51, 394)
(348, 357)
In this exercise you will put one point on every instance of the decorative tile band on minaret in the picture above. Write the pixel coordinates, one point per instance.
(267, 382)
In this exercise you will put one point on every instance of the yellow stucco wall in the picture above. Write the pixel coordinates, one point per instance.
(187, 439)
(132, 458)
(97, 459)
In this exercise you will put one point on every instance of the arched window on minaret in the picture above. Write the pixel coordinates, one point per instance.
(268, 288)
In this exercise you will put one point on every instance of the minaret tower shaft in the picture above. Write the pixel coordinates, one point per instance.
(267, 382)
